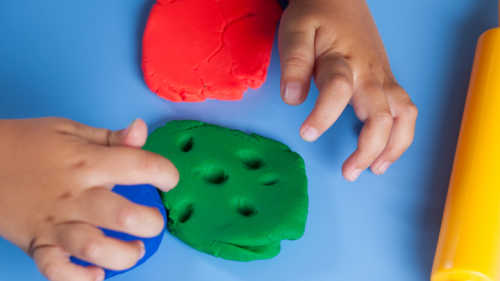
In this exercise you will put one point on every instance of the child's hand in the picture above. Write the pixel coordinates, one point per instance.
(337, 42)
(56, 177)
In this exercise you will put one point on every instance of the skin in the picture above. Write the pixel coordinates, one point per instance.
(336, 43)
(55, 189)
(64, 181)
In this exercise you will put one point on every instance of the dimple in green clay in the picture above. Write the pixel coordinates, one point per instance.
(238, 196)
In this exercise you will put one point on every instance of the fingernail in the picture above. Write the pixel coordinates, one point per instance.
(143, 250)
(309, 133)
(293, 91)
(354, 174)
(382, 168)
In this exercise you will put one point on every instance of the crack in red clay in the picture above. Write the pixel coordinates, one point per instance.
(225, 27)
(219, 48)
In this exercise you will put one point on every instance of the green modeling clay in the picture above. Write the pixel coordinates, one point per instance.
(238, 196)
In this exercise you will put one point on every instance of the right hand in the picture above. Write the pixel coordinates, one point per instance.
(336, 42)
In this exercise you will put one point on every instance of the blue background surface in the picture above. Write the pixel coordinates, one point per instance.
(80, 59)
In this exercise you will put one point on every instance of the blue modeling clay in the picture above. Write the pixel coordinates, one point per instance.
(141, 194)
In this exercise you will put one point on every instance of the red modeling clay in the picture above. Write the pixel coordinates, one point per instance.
(198, 49)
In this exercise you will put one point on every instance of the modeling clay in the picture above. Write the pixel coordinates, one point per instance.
(141, 194)
(198, 49)
(239, 195)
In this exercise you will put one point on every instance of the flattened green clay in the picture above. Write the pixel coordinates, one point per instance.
(238, 196)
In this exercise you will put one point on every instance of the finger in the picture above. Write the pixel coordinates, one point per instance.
(109, 210)
(54, 263)
(333, 77)
(134, 135)
(88, 243)
(403, 130)
(296, 47)
(129, 166)
(372, 108)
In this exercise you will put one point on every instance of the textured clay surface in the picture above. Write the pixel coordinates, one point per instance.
(199, 49)
(239, 195)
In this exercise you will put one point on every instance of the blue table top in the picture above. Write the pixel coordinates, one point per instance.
(80, 59)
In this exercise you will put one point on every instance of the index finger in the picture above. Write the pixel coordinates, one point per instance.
(296, 47)
(130, 166)
(334, 80)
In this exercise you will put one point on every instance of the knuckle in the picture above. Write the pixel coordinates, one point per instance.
(337, 78)
(410, 110)
(51, 271)
(80, 164)
(126, 217)
(392, 85)
(341, 83)
(370, 86)
(107, 135)
(68, 125)
(384, 118)
(298, 59)
(90, 250)
(61, 124)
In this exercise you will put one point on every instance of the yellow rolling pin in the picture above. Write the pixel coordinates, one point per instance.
(469, 241)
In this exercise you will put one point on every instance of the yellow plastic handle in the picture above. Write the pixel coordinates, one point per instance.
(469, 241)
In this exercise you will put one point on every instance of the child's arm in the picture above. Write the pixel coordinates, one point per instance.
(56, 177)
(337, 42)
